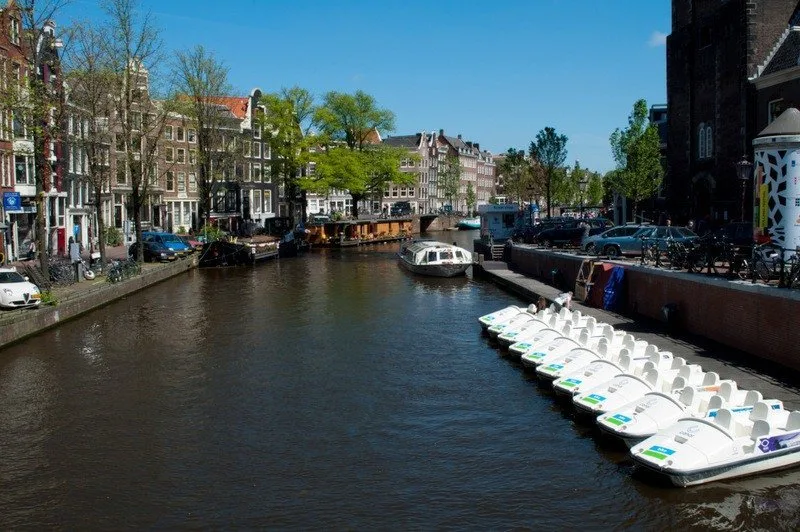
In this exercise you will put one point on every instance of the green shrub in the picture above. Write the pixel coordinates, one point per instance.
(113, 236)
(49, 299)
(181, 230)
(211, 233)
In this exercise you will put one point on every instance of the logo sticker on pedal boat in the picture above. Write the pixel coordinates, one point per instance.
(555, 367)
(537, 355)
(569, 383)
(618, 419)
(593, 399)
(658, 452)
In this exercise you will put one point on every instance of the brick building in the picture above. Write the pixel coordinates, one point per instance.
(712, 51)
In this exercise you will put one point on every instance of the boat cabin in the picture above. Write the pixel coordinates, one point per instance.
(498, 222)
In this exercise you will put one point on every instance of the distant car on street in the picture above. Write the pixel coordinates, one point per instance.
(16, 291)
(153, 251)
(632, 245)
(571, 233)
(593, 243)
(170, 241)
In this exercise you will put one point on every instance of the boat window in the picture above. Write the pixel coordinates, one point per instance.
(445, 255)
(458, 254)
(431, 256)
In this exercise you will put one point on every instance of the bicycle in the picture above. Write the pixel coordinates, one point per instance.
(763, 262)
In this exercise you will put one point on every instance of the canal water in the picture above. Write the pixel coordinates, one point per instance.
(334, 390)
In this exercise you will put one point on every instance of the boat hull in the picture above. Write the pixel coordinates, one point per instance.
(436, 270)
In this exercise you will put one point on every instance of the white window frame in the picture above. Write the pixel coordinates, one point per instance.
(168, 132)
(770, 110)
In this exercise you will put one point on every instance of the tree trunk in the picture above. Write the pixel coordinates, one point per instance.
(41, 234)
(101, 227)
(137, 222)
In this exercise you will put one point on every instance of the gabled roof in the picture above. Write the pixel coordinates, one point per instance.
(237, 105)
(788, 123)
(404, 141)
(787, 54)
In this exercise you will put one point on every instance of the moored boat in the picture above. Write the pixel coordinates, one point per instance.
(699, 450)
(467, 224)
(428, 257)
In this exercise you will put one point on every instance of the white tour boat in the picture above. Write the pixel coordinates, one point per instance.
(427, 257)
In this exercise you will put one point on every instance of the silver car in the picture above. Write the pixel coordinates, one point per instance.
(632, 245)
(595, 243)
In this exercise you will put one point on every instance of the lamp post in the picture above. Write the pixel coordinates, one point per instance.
(743, 171)
(582, 184)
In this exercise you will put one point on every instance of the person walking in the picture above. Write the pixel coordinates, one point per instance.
(75, 258)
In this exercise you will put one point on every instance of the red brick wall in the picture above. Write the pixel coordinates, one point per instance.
(756, 319)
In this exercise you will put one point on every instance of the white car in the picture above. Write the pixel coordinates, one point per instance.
(16, 291)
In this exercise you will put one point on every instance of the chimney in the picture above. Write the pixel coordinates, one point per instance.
(469, 142)
(459, 136)
(441, 132)
(477, 146)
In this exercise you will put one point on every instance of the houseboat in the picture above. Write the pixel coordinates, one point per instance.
(351, 233)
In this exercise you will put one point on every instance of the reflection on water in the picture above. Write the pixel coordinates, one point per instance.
(336, 390)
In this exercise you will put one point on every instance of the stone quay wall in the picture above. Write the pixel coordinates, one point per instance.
(757, 319)
(81, 298)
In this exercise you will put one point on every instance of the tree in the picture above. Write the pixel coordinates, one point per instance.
(594, 190)
(636, 151)
(134, 50)
(350, 120)
(90, 81)
(470, 198)
(36, 103)
(549, 151)
(450, 178)
(200, 80)
(286, 125)
(518, 178)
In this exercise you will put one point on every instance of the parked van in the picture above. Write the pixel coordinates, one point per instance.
(401, 208)
(170, 241)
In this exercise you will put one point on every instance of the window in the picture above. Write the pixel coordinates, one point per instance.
(122, 176)
(170, 181)
(14, 31)
(257, 201)
(23, 170)
(257, 132)
(257, 172)
(247, 151)
(709, 142)
(181, 182)
(701, 142)
(774, 110)
(191, 135)
(168, 132)
(179, 134)
(120, 142)
(257, 150)
(181, 155)
(192, 156)
(268, 201)
(169, 154)
(136, 120)
(192, 183)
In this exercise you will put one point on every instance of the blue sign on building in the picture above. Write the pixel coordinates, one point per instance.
(12, 202)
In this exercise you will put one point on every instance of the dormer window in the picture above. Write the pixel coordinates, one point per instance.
(14, 31)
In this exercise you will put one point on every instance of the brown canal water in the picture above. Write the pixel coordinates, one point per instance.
(335, 391)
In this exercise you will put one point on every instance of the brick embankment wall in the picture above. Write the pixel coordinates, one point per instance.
(16, 325)
(754, 318)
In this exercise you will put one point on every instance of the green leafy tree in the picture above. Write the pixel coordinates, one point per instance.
(470, 198)
(636, 150)
(549, 151)
(450, 178)
(594, 190)
(200, 79)
(286, 126)
(350, 119)
(518, 183)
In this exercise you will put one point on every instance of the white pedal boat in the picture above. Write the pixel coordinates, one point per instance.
(594, 347)
(553, 349)
(517, 321)
(529, 330)
(629, 359)
(628, 387)
(656, 411)
(698, 450)
(499, 316)
(548, 334)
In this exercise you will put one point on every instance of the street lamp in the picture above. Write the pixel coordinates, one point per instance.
(582, 184)
(743, 171)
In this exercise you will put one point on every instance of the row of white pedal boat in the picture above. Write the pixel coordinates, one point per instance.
(680, 422)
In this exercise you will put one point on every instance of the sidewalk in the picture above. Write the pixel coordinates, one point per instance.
(749, 372)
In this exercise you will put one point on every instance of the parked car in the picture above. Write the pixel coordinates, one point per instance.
(193, 242)
(153, 251)
(594, 243)
(572, 232)
(16, 291)
(632, 245)
(401, 208)
(169, 240)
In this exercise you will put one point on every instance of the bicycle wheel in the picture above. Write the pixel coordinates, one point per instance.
(761, 271)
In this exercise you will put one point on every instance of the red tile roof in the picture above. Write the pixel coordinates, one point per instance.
(237, 105)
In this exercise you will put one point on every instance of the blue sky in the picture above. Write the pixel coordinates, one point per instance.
(495, 72)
